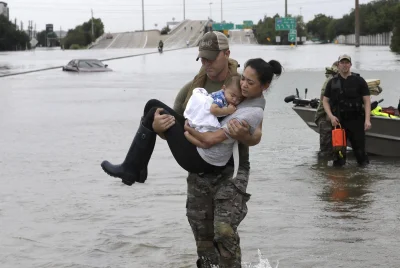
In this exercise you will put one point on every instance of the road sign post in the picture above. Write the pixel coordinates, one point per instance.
(292, 37)
(287, 24)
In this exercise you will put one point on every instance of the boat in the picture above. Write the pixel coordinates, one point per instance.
(382, 139)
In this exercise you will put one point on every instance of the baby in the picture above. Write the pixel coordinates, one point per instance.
(203, 109)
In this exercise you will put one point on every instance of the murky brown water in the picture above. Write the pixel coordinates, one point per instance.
(59, 209)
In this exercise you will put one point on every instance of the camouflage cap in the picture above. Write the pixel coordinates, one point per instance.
(344, 57)
(333, 69)
(211, 44)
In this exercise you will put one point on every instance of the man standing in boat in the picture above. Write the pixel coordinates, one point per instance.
(344, 97)
(322, 120)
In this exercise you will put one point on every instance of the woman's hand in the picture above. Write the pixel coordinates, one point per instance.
(239, 130)
(162, 122)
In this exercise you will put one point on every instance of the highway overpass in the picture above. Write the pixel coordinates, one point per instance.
(187, 30)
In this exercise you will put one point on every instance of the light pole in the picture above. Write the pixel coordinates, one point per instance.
(143, 14)
(285, 8)
(183, 9)
(357, 24)
(92, 26)
(222, 19)
(210, 11)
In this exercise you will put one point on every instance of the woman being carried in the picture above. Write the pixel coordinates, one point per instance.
(217, 145)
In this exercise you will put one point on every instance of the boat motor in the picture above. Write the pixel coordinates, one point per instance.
(313, 103)
(290, 98)
(374, 104)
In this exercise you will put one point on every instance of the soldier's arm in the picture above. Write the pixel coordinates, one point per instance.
(324, 87)
(204, 140)
(366, 98)
(180, 98)
(327, 107)
(325, 100)
(242, 177)
(367, 107)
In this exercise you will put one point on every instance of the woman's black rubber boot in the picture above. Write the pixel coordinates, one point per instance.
(134, 167)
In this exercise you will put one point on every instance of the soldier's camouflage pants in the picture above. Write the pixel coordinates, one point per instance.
(325, 137)
(215, 208)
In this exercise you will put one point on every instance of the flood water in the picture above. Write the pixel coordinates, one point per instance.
(59, 209)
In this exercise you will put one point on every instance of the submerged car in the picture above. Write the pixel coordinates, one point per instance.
(86, 65)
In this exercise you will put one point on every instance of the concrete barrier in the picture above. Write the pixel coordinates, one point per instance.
(382, 39)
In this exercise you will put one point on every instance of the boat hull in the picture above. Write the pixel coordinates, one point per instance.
(382, 139)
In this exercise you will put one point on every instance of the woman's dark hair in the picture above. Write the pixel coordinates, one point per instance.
(265, 70)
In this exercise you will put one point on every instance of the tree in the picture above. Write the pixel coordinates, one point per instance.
(395, 45)
(50, 40)
(300, 26)
(318, 27)
(165, 30)
(11, 38)
(41, 37)
(82, 34)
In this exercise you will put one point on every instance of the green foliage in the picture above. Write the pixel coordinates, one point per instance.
(375, 17)
(75, 46)
(318, 27)
(165, 30)
(11, 38)
(82, 34)
(52, 39)
(41, 37)
(395, 45)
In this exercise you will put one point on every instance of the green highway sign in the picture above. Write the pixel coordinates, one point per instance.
(293, 31)
(285, 24)
(292, 37)
(222, 26)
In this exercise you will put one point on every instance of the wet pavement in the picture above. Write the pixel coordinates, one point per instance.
(59, 209)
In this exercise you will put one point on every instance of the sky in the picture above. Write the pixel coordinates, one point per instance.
(126, 15)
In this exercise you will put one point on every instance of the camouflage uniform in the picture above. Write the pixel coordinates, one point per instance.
(322, 120)
(216, 203)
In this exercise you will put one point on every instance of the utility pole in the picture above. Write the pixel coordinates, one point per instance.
(222, 19)
(183, 9)
(210, 11)
(285, 8)
(92, 26)
(29, 29)
(143, 14)
(357, 30)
